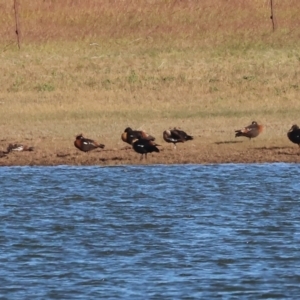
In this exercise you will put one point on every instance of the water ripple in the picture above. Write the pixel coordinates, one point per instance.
(160, 232)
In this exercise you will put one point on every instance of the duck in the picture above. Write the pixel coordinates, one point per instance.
(19, 148)
(86, 145)
(129, 135)
(144, 146)
(294, 134)
(176, 136)
(3, 153)
(251, 131)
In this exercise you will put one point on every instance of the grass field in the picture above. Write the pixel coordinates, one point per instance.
(97, 67)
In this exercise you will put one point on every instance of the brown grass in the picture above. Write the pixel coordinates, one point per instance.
(208, 22)
(97, 67)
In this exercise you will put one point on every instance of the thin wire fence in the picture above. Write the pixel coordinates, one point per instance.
(206, 21)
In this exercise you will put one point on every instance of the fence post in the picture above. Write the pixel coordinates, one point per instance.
(16, 4)
(272, 15)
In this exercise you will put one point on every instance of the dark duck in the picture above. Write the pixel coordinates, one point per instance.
(144, 146)
(85, 144)
(294, 134)
(176, 136)
(250, 131)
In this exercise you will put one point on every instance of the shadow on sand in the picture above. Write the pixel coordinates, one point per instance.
(228, 142)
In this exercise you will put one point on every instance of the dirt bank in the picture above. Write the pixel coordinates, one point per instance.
(195, 152)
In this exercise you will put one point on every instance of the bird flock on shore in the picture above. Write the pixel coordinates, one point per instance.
(143, 143)
(140, 141)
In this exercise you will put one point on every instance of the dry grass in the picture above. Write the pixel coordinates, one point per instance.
(206, 22)
(98, 66)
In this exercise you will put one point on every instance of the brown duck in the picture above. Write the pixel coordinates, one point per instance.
(250, 131)
(176, 136)
(129, 135)
(86, 145)
(3, 154)
(19, 148)
(294, 134)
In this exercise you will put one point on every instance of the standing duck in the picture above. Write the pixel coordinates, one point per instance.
(176, 136)
(86, 145)
(294, 134)
(250, 131)
(144, 146)
(129, 135)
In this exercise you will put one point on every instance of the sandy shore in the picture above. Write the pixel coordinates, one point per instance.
(195, 152)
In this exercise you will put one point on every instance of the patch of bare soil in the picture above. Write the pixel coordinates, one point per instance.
(237, 151)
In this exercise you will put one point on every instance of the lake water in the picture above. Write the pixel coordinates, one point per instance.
(150, 232)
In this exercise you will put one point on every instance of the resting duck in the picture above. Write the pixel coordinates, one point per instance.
(86, 145)
(129, 135)
(19, 148)
(3, 154)
(144, 146)
(294, 134)
(250, 131)
(176, 136)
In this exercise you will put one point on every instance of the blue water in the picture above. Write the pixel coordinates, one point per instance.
(150, 232)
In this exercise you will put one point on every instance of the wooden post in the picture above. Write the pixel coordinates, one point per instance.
(16, 4)
(272, 15)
